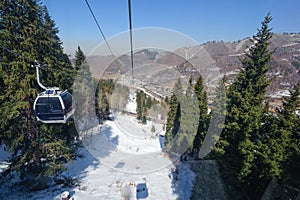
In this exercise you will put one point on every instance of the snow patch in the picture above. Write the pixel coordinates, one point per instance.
(4, 156)
(120, 159)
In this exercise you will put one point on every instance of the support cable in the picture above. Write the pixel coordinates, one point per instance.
(131, 46)
(99, 28)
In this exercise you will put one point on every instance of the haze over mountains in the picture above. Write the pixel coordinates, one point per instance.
(158, 70)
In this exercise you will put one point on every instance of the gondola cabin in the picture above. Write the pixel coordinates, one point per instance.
(53, 106)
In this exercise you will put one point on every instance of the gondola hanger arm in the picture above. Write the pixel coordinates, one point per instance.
(38, 65)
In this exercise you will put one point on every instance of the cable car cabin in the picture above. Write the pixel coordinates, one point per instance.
(54, 106)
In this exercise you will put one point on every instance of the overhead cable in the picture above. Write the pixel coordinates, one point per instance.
(131, 46)
(106, 42)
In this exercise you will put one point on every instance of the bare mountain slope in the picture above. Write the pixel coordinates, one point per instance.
(212, 60)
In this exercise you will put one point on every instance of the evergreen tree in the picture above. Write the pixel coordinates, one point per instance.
(290, 168)
(280, 139)
(203, 115)
(142, 106)
(105, 107)
(102, 107)
(246, 111)
(218, 113)
(289, 127)
(178, 88)
(103, 92)
(83, 69)
(174, 114)
(189, 111)
(149, 103)
(26, 34)
(139, 108)
(278, 149)
(59, 72)
(84, 91)
(79, 58)
(173, 121)
(119, 97)
(290, 120)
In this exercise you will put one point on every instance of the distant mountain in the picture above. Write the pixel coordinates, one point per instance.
(158, 70)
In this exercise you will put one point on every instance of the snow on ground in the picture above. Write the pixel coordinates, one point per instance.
(4, 155)
(117, 158)
(114, 161)
(131, 102)
(100, 182)
(116, 172)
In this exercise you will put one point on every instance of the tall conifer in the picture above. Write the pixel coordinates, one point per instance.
(246, 109)
(27, 33)
(174, 114)
(203, 116)
(218, 113)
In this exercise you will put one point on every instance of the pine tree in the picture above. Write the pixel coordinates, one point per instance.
(278, 150)
(18, 79)
(103, 92)
(174, 114)
(142, 106)
(139, 108)
(79, 58)
(105, 107)
(203, 115)
(189, 116)
(59, 72)
(288, 125)
(173, 121)
(119, 97)
(281, 137)
(26, 34)
(218, 113)
(178, 88)
(290, 122)
(246, 110)
(83, 69)
(149, 103)
(84, 91)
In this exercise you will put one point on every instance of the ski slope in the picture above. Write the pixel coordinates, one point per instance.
(117, 158)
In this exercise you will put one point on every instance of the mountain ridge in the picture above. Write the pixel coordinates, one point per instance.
(212, 60)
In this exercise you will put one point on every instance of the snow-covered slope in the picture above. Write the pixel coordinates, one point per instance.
(117, 158)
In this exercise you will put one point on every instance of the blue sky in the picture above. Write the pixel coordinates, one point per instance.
(227, 20)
